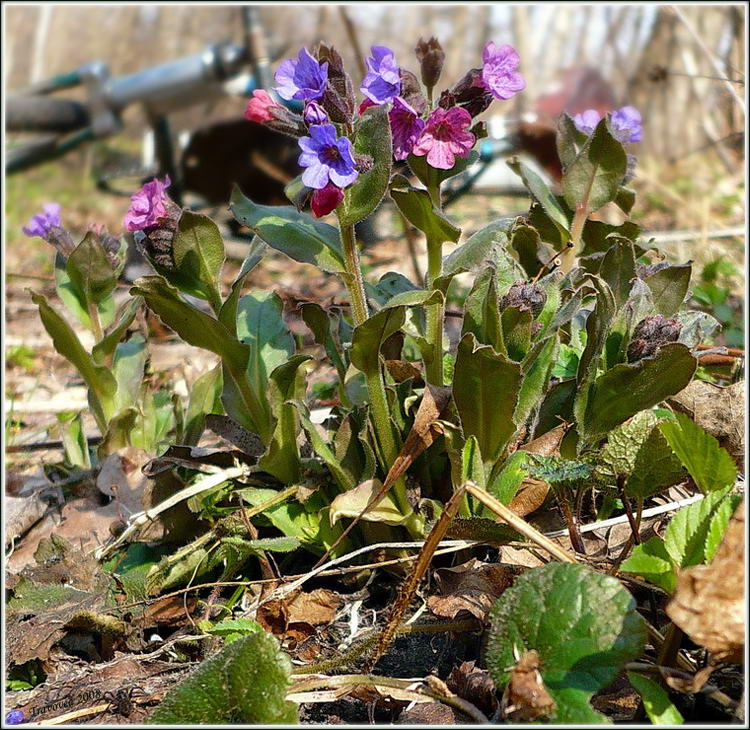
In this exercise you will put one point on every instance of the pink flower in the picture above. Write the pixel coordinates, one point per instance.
(499, 71)
(445, 137)
(259, 107)
(406, 128)
(148, 205)
(326, 200)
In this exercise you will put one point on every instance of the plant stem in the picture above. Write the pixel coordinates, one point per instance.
(379, 410)
(435, 312)
(96, 324)
(354, 282)
(568, 256)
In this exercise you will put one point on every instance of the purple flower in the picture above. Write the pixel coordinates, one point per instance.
(304, 79)
(445, 137)
(626, 125)
(314, 114)
(499, 71)
(41, 224)
(148, 205)
(326, 158)
(15, 717)
(586, 121)
(406, 128)
(382, 83)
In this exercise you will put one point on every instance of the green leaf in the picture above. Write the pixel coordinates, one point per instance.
(625, 199)
(530, 250)
(128, 367)
(228, 313)
(100, 381)
(618, 455)
(246, 682)
(231, 629)
(90, 270)
(103, 351)
(516, 324)
(198, 254)
(418, 208)
(569, 140)
(584, 626)
(373, 138)
(74, 441)
(74, 299)
(205, 398)
(369, 337)
(485, 390)
(594, 177)
(618, 269)
(656, 467)
(282, 457)
(541, 193)
(118, 432)
(695, 532)
(295, 234)
(669, 287)
(505, 485)
(426, 173)
(486, 246)
(710, 465)
(481, 313)
(192, 325)
(627, 389)
(652, 562)
(656, 702)
(352, 502)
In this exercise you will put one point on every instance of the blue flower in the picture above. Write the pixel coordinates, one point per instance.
(326, 158)
(626, 124)
(15, 717)
(382, 84)
(314, 114)
(41, 224)
(304, 79)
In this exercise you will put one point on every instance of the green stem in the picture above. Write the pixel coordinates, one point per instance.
(215, 302)
(355, 282)
(435, 312)
(96, 324)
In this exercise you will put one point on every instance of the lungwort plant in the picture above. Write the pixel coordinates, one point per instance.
(572, 325)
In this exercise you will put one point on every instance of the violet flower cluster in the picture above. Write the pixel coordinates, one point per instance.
(625, 123)
(439, 132)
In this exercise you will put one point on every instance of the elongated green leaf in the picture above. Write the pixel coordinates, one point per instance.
(99, 380)
(583, 625)
(486, 246)
(104, 350)
(627, 389)
(198, 253)
(369, 337)
(372, 138)
(596, 174)
(427, 173)
(618, 269)
(128, 367)
(246, 682)
(74, 299)
(656, 702)
(516, 323)
(541, 193)
(710, 465)
(296, 234)
(282, 457)
(192, 325)
(90, 270)
(536, 380)
(485, 390)
(669, 287)
(481, 313)
(418, 208)
(505, 485)
(656, 467)
(205, 395)
(255, 253)
(569, 140)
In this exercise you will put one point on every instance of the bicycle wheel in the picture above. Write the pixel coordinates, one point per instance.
(44, 114)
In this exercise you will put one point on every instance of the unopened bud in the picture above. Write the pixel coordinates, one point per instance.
(363, 163)
(156, 242)
(526, 297)
(431, 57)
(650, 334)
(469, 93)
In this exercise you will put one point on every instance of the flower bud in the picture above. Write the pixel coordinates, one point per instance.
(314, 113)
(48, 226)
(411, 92)
(326, 200)
(363, 163)
(469, 93)
(431, 57)
(338, 99)
(156, 241)
(650, 334)
(526, 297)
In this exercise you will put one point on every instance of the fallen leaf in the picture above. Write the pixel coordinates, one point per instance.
(431, 713)
(316, 607)
(718, 410)
(709, 602)
(120, 478)
(472, 587)
(525, 697)
(474, 685)
(21, 514)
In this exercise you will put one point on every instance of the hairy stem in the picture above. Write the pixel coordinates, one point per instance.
(355, 282)
(435, 312)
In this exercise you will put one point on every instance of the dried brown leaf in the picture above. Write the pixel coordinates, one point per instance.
(316, 607)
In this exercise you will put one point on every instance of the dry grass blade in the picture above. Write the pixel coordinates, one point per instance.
(410, 585)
